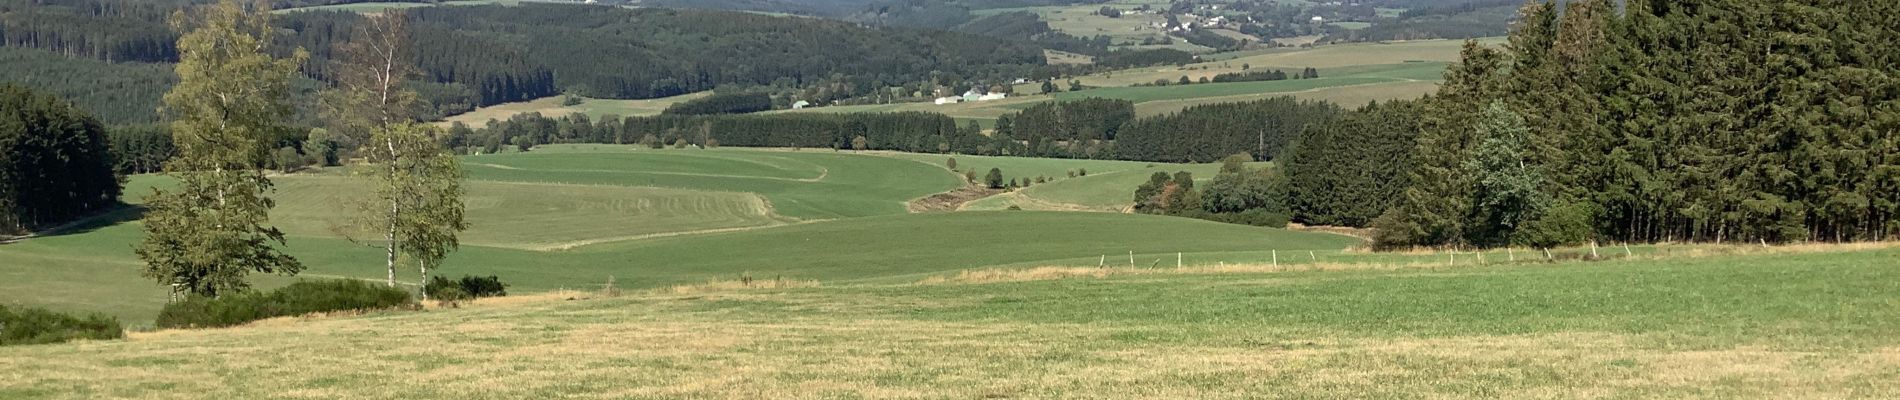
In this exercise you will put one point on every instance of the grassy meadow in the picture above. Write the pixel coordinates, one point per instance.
(1755, 324)
(570, 216)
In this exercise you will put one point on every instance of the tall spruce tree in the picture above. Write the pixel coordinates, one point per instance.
(1434, 209)
(206, 235)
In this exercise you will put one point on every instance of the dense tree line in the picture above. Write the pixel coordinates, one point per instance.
(1076, 129)
(1694, 120)
(1347, 171)
(1206, 133)
(140, 149)
(902, 131)
(482, 55)
(119, 93)
(107, 30)
(723, 103)
(54, 164)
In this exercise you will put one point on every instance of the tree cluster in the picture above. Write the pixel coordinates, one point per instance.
(54, 163)
(723, 103)
(1206, 133)
(1690, 120)
(903, 131)
(1073, 129)
(1238, 194)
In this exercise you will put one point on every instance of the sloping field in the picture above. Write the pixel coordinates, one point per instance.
(810, 184)
(95, 270)
(532, 216)
(1757, 326)
(571, 216)
(551, 106)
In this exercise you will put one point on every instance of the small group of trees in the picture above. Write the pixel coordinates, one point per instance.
(1237, 194)
(723, 103)
(54, 162)
(207, 234)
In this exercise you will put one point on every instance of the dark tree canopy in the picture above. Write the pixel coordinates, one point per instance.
(54, 165)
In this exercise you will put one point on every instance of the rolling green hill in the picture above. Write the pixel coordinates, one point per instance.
(571, 216)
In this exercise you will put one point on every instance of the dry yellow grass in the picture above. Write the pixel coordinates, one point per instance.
(1215, 332)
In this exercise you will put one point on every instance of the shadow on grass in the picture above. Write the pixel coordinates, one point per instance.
(122, 214)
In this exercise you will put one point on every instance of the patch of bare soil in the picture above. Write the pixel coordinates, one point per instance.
(951, 200)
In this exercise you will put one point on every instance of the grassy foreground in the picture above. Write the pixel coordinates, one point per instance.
(1797, 325)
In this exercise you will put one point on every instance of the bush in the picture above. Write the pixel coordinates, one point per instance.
(1255, 217)
(29, 325)
(469, 287)
(303, 297)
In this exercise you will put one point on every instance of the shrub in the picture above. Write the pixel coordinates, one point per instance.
(303, 297)
(1256, 217)
(468, 287)
(28, 325)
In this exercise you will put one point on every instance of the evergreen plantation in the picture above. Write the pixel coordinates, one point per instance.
(1693, 120)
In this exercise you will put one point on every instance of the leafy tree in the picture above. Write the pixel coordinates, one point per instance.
(1048, 87)
(1510, 191)
(417, 205)
(951, 163)
(287, 159)
(207, 234)
(994, 179)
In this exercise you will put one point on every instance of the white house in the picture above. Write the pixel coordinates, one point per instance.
(1319, 19)
(801, 104)
(949, 100)
(992, 96)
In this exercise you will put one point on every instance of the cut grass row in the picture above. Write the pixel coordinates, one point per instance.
(1809, 325)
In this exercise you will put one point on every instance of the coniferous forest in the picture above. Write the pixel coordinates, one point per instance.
(1697, 120)
(54, 164)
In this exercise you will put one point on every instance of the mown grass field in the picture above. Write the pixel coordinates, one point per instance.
(1771, 324)
(571, 216)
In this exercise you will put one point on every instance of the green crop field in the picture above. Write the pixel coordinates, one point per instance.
(1773, 325)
